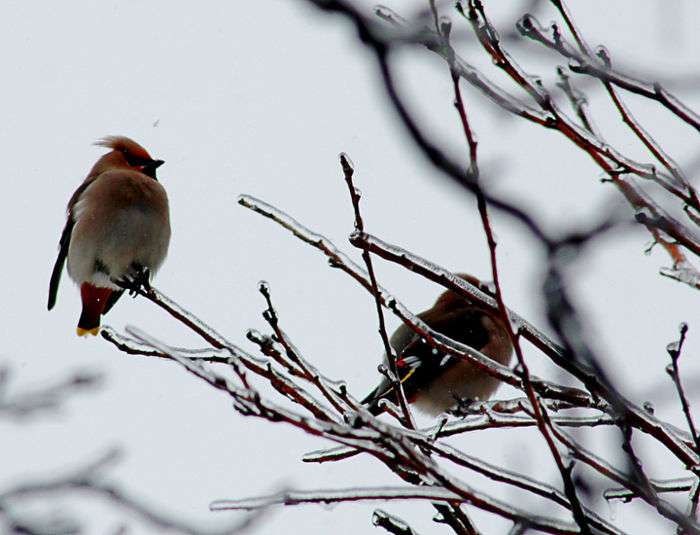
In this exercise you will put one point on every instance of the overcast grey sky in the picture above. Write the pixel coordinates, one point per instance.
(259, 98)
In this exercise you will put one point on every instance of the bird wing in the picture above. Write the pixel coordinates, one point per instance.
(63, 244)
(418, 363)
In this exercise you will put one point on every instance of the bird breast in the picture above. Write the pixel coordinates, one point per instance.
(121, 218)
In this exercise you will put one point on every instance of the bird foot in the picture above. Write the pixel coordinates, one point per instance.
(139, 279)
(465, 407)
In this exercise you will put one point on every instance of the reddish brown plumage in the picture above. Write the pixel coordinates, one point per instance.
(124, 145)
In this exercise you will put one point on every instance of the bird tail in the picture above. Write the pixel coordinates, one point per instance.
(94, 301)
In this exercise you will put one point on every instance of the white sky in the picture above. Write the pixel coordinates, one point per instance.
(259, 98)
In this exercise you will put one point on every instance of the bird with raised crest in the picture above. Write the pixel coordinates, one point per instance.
(117, 230)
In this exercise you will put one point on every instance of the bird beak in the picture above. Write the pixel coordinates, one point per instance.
(150, 168)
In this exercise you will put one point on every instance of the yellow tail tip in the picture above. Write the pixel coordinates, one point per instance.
(85, 332)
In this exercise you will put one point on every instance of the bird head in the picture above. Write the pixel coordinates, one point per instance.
(126, 153)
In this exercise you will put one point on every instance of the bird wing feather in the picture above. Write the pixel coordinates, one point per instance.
(63, 244)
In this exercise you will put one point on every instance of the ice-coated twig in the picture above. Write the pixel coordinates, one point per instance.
(579, 102)
(455, 517)
(584, 64)
(348, 173)
(89, 478)
(694, 498)
(32, 402)
(491, 420)
(392, 524)
(682, 271)
(250, 403)
(328, 496)
(132, 347)
(674, 350)
(432, 41)
(445, 278)
(330, 390)
(681, 484)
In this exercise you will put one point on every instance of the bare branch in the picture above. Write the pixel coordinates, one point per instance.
(348, 172)
(674, 350)
(326, 496)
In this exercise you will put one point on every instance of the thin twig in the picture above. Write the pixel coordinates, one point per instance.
(326, 496)
(348, 172)
(391, 523)
(674, 350)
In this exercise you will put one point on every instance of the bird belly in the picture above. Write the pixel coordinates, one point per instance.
(105, 249)
(461, 381)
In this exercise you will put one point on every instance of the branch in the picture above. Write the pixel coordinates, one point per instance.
(682, 484)
(391, 523)
(674, 350)
(327, 496)
(348, 172)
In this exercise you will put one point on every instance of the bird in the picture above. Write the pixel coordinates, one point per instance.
(435, 383)
(117, 230)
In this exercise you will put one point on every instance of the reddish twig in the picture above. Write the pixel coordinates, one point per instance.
(348, 172)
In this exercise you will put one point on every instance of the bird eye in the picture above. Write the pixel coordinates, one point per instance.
(133, 161)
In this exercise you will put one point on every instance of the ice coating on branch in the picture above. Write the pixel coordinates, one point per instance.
(328, 496)
(328, 454)
(391, 523)
(672, 348)
(684, 272)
